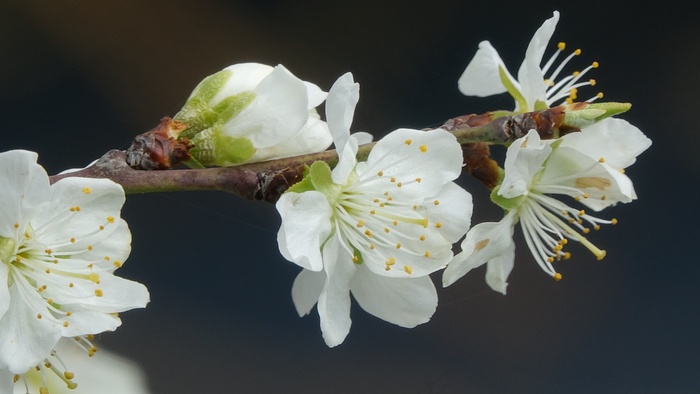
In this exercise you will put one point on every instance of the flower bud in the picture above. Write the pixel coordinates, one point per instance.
(253, 112)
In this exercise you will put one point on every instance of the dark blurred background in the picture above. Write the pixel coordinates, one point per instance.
(78, 78)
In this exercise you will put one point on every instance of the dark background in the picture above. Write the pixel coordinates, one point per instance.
(78, 78)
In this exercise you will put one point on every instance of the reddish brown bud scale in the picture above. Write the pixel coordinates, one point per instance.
(159, 148)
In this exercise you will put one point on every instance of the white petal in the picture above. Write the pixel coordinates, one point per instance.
(315, 94)
(334, 301)
(25, 188)
(6, 381)
(244, 77)
(25, 340)
(306, 289)
(85, 322)
(4, 290)
(524, 160)
(306, 224)
(277, 113)
(346, 162)
(481, 77)
(340, 108)
(615, 140)
(484, 242)
(530, 73)
(79, 206)
(433, 156)
(363, 138)
(498, 269)
(404, 302)
(453, 211)
(313, 137)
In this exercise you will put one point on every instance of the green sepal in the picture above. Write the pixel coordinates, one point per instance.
(214, 148)
(592, 113)
(506, 203)
(512, 90)
(356, 252)
(540, 105)
(304, 185)
(320, 174)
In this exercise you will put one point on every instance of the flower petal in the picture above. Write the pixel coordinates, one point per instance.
(244, 77)
(482, 76)
(405, 302)
(25, 188)
(306, 290)
(484, 242)
(524, 160)
(25, 340)
(530, 73)
(452, 208)
(315, 94)
(277, 113)
(340, 109)
(615, 140)
(498, 269)
(421, 161)
(306, 224)
(313, 137)
(334, 301)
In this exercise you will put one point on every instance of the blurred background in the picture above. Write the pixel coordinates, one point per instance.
(78, 78)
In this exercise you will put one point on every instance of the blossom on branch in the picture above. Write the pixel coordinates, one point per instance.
(587, 166)
(59, 247)
(375, 229)
(253, 112)
(536, 88)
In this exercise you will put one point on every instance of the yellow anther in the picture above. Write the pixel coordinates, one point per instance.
(423, 148)
(622, 170)
(567, 255)
(390, 261)
(49, 300)
(92, 351)
(602, 254)
(613, 221)
(575, 73)
(90, 265)
(408, 269)
(602, 198)
(415, 206)
(564, 241)
(107, 258)
(596, 227)
(581, 212)
(360, 223)
(94, 277)
(418, 180)
(586, 230)
(386, 229)
(99, 293)
(557, 276)
(585, 195)
(72, 240)
(561, 46)
(391, 180)
(599, 95)
(43, 390)
(427, 254)
(577, 52)
(436, 202)
(387, 268)
(571, 220)
(592, 82)
(89, 247)
(577, 198)
(380, 173)
(117, 264)
(399, 184)
(55, 261)
(550, 259)
(71, 284)
(66, 324)
(422, 238)
(438, 225)
(69, 375)
(595, 64)
(355, 259)
(48, 271)
(38, 316)
(48, 251)
(408, 142)
(372, 246)
(372, 212)
(558, 248)
(398, 246)
(16, 225)
(87, 190)
(368, 233)
(68, 313)
(110, 219)
(102, 228)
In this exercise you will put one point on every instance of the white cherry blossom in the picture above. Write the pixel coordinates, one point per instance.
(59, 247)
(587, 166)
(537, 86)
(375, 229)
